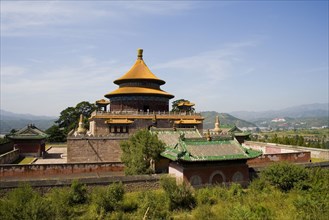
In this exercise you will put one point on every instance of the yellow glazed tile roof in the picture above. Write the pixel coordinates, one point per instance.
(139, 71)
(119, 121)
(185, 103)
(138, 90)
(102, 101)
(188, 121)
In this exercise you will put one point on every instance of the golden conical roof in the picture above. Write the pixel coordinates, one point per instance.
(139, 91)
(139, 71)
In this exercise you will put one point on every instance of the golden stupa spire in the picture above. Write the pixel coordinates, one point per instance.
(217, 125)
(81, 129)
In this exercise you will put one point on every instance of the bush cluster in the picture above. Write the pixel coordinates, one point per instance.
(279, 193)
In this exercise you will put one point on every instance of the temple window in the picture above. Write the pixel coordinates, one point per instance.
(195, 180)
(118, 129)
(217, 177)
(237, 177)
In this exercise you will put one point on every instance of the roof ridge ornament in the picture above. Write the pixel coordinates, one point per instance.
(139, 54)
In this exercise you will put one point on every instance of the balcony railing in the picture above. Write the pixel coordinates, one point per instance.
(138, 113)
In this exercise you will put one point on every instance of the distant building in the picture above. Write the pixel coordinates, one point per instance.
(30, 141)
(278, 120)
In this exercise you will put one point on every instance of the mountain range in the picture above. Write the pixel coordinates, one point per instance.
(225, 119)
(300, 111)
(311, 115)
(10, 120)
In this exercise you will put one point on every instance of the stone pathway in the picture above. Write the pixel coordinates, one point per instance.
(54, 155)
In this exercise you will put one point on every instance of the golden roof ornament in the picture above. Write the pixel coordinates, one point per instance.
(139, 54)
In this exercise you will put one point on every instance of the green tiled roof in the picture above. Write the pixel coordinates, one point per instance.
(199, 149)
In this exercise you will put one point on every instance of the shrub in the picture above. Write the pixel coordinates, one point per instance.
(235, 190)
(109, 199)
(24, 203)
(204, 212)
(285, 176)
(180, 196)
(78, 193)
(59, 203)
(209, 195)
(153, 205)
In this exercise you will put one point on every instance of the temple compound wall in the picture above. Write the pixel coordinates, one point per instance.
(9, 157)
(94, 149)
(279, 152)
(43, 170)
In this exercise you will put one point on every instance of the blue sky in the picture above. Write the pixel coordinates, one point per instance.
(222, 55)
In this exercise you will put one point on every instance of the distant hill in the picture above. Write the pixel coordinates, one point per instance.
(10, 120)
(301, 111)
(210, 116)
(296, 123)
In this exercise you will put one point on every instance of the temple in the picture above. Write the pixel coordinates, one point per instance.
(140, 103)
(137, 103)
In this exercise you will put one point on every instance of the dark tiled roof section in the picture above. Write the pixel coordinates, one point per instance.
(216, 149)
(171, 137)
(29, 132)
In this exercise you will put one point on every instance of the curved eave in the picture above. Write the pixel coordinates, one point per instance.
(102, 102)
(186, 104)
(28, 137)
(139, 71)
(138, 91)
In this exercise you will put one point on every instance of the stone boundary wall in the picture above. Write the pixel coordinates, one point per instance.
(132, 183)
(6, 147)
(31, 170)
(254, 170)
(9, 157)
(315, 152)
(295, 157)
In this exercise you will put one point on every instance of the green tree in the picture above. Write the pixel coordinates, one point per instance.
(285, 176)
(139, 151)
(69, 117)
(56, 134)
(274, 139)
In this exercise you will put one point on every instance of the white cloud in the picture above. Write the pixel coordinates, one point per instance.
(158, 7)
(38, 17)
(212, 66)
(12, 71)
(54, 89)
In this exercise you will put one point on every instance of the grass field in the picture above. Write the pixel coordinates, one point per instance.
(24, 160)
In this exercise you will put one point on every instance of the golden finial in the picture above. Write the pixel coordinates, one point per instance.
(140, 54)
